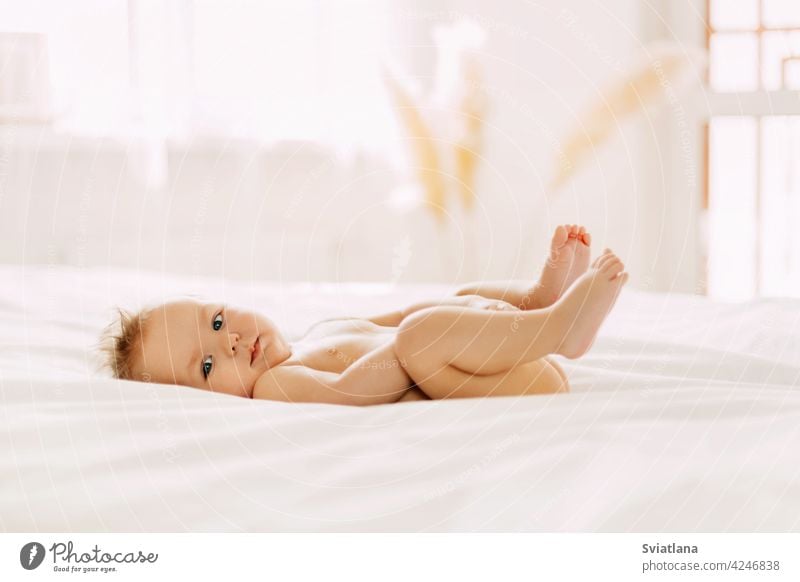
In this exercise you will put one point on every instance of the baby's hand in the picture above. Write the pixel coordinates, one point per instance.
(471, 301)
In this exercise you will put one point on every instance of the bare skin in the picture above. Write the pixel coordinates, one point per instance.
(567, 260)
(473, 345)
(458, 353)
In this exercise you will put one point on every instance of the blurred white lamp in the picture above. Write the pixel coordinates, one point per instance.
(24, 78)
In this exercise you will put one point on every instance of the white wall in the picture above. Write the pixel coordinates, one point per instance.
(296, 211)
(547, 62)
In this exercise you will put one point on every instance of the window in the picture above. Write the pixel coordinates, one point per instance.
(753, 141)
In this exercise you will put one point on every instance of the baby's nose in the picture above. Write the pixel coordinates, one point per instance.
(233, 339)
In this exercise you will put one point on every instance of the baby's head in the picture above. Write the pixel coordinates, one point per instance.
(203, 345)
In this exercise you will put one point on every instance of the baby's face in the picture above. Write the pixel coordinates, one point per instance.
(209, 346)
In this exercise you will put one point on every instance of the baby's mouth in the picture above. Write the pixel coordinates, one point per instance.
(256, 351)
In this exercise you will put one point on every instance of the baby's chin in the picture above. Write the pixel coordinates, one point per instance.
(245, 392)
(248, 391)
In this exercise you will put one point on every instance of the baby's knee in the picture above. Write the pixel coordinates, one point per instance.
(417, 333)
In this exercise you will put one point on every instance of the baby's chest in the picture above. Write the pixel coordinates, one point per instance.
(337, 352)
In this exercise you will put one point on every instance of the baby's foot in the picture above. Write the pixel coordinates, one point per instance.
(587, 303)
(568, 260)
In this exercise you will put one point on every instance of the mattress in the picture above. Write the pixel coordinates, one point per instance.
(685, 416)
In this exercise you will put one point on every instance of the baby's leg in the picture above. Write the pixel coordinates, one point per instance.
(443, 365)
(460, 352)
(414, 394)
(537, 377)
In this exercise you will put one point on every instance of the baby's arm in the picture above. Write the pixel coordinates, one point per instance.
(375, 378)
(395, 318)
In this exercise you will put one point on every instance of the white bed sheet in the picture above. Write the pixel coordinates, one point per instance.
(685, 416)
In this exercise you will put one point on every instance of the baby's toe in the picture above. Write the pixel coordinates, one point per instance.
(560, 237)
(607, 259)
(612, 267)
(603, 259)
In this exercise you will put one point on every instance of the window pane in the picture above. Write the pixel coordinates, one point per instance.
(781, 13)
(777, 46)
(780, 205)
(254, 62)
(292, 70)
(732, 225)
(734, 62)
(734, 14)
(791, 71)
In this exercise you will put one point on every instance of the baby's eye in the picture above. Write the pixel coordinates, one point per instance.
(217, 325)
(207, 365)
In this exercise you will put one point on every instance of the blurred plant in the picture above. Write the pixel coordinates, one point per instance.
(423, 149)
(663, 71)
(445, 129)
(469, 141)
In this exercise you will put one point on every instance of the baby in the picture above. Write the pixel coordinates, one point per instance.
(491, 339)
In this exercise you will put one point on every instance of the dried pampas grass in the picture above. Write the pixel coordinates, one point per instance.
(660, 74)
(469, 143)
(423, 148)
(446, 146)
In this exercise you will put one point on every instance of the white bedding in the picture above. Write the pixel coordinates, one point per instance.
(683, 417)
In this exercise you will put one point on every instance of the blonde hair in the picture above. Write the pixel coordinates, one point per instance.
(121, 340)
